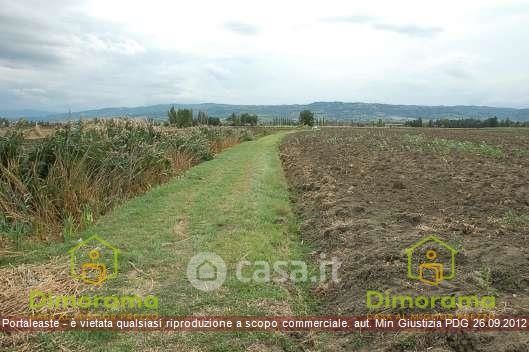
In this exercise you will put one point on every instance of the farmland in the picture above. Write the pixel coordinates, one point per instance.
(364, 195)
(231, 176)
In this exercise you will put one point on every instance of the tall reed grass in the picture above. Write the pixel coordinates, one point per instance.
(54, 186)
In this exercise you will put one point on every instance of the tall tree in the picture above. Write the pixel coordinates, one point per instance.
(171, 114)
(184, 118)
(306, 117)
(233, 120)
(202, 118)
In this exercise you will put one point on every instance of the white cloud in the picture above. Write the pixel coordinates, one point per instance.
(88, 54)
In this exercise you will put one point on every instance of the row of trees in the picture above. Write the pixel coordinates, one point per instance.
(184, 118)
(466, 123)
(242, 120)
(282, 121)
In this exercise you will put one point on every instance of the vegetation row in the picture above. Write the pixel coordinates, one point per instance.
(53, 186)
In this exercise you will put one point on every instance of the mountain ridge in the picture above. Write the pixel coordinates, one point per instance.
(331, 110)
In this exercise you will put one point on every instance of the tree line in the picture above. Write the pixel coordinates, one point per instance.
(244, 119)
(466, 123)
(184, 118)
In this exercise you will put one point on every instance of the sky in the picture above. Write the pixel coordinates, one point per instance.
(77, 54)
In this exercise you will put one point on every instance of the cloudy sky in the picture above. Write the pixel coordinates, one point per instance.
(88, 54)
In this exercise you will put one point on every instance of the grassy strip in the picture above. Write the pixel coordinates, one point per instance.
(237, 206)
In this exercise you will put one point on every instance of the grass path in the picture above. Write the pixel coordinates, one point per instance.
(237, 206)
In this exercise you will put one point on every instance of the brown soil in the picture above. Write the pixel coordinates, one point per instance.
(365, 195)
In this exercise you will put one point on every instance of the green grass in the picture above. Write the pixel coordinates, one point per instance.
(237, 206)
(513, 219)
(445, 146)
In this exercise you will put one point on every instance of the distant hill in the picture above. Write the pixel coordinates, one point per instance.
(30, 114)
(331, 110)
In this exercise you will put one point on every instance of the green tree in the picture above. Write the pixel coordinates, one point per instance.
(171, 114)
(213, 121)
(184, 118)
(414, 123)
(233, 120)
(202, 118)
(306, 117)
(247, 119)
(491, 122)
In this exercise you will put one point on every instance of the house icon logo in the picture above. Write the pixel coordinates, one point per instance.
(206, 271)
(431, 261)
(93, 261)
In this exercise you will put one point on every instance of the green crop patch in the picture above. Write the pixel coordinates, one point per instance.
(445, 146)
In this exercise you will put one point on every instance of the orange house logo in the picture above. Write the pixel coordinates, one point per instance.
(431, 261)
(94, 261)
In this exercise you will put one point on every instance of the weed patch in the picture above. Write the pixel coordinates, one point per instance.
(445, 146)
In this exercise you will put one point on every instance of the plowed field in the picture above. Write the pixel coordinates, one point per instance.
(365, 195)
